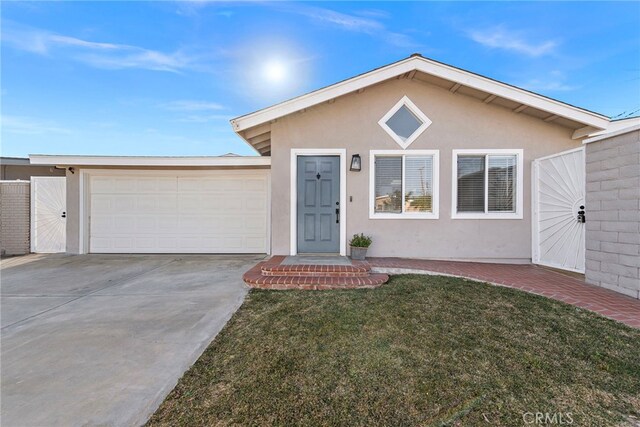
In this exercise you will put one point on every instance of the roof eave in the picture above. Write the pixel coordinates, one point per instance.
(148, 161)
(427, 66)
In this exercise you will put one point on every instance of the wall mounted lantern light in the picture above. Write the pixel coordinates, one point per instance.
(356, 163)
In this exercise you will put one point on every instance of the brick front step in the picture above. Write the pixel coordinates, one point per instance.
(313, 282)
(315, 270)
(333, 278)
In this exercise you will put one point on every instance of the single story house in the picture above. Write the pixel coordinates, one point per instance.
(430, 160)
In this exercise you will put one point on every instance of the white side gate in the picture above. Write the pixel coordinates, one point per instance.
(48, 214)
(558, 210)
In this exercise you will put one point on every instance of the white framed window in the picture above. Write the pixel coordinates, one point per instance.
(404, 184)
(487, 184)
(404, 122)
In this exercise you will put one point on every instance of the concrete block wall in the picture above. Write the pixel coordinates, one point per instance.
(613, 213)
(14, 217)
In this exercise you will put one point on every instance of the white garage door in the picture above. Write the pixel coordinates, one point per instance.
(180, 212)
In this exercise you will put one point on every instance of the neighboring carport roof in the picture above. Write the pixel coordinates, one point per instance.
(255, 128)
(149, 161)
(21, 161)
(632, 127)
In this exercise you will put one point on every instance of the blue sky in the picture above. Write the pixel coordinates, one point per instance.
(164, 78)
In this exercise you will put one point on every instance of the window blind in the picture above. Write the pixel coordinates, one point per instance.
(471, 183)
(418, 184)
(388, 184)
(501, 176)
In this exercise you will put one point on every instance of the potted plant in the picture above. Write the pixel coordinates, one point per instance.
(359, 245)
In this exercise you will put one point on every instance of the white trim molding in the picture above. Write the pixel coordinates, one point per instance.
(84, 211)
(45, 159)
(518, 214)
(413, 108)
(435, 196)
(293, 199)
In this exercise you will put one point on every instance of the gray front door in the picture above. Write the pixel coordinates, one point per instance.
(318, 204)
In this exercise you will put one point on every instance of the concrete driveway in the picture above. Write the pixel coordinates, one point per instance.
(102, 339)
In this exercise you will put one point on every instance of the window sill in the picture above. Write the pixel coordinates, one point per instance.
(510, 215)
(403, 216)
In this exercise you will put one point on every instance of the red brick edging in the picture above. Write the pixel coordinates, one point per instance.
(529, 278)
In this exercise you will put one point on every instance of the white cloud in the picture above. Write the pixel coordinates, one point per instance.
(29, 125)
(342, 20)
(196, 111)
(192, 105)
(71, 41)
(205, 118)
(136, 58)
(554, 82)
(539, 85)
(95, 54)
(501, 38)
(359, 24)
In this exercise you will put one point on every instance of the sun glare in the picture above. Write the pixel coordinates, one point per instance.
(275, 71)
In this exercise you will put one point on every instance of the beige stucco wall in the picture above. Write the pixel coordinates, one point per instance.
(73, 211)
(459, 122)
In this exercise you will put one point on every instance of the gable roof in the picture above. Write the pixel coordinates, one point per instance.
(255, 128)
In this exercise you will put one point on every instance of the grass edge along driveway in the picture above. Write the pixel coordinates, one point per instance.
(421, 350)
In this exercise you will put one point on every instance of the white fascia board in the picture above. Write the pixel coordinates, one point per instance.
(44, 159)
(426, 66)
(612, 134)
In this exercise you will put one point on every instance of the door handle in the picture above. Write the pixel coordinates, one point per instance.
(337, 216)
(64, 214)
(581, 216)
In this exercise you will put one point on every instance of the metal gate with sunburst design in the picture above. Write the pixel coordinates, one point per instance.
(559, 213)
(48, 214)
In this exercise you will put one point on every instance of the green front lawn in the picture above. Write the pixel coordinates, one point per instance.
(421, 350)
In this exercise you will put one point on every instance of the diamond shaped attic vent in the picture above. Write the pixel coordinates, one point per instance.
(404, 122)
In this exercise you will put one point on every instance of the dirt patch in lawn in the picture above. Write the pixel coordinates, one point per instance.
(421, 350)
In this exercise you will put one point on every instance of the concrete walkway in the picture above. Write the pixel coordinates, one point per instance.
(530, 278)
(101, 340)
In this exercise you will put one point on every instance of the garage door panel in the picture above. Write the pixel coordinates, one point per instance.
(257, 185)
(125, 223)
(208, 213)
(225, 184)
(255, 242)
(124, 204)
(159, 185)
(101, 203)
(211, 184)
(234, 242)
(255, 224)
(101, 185)
(123, 243)
(258, 202)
